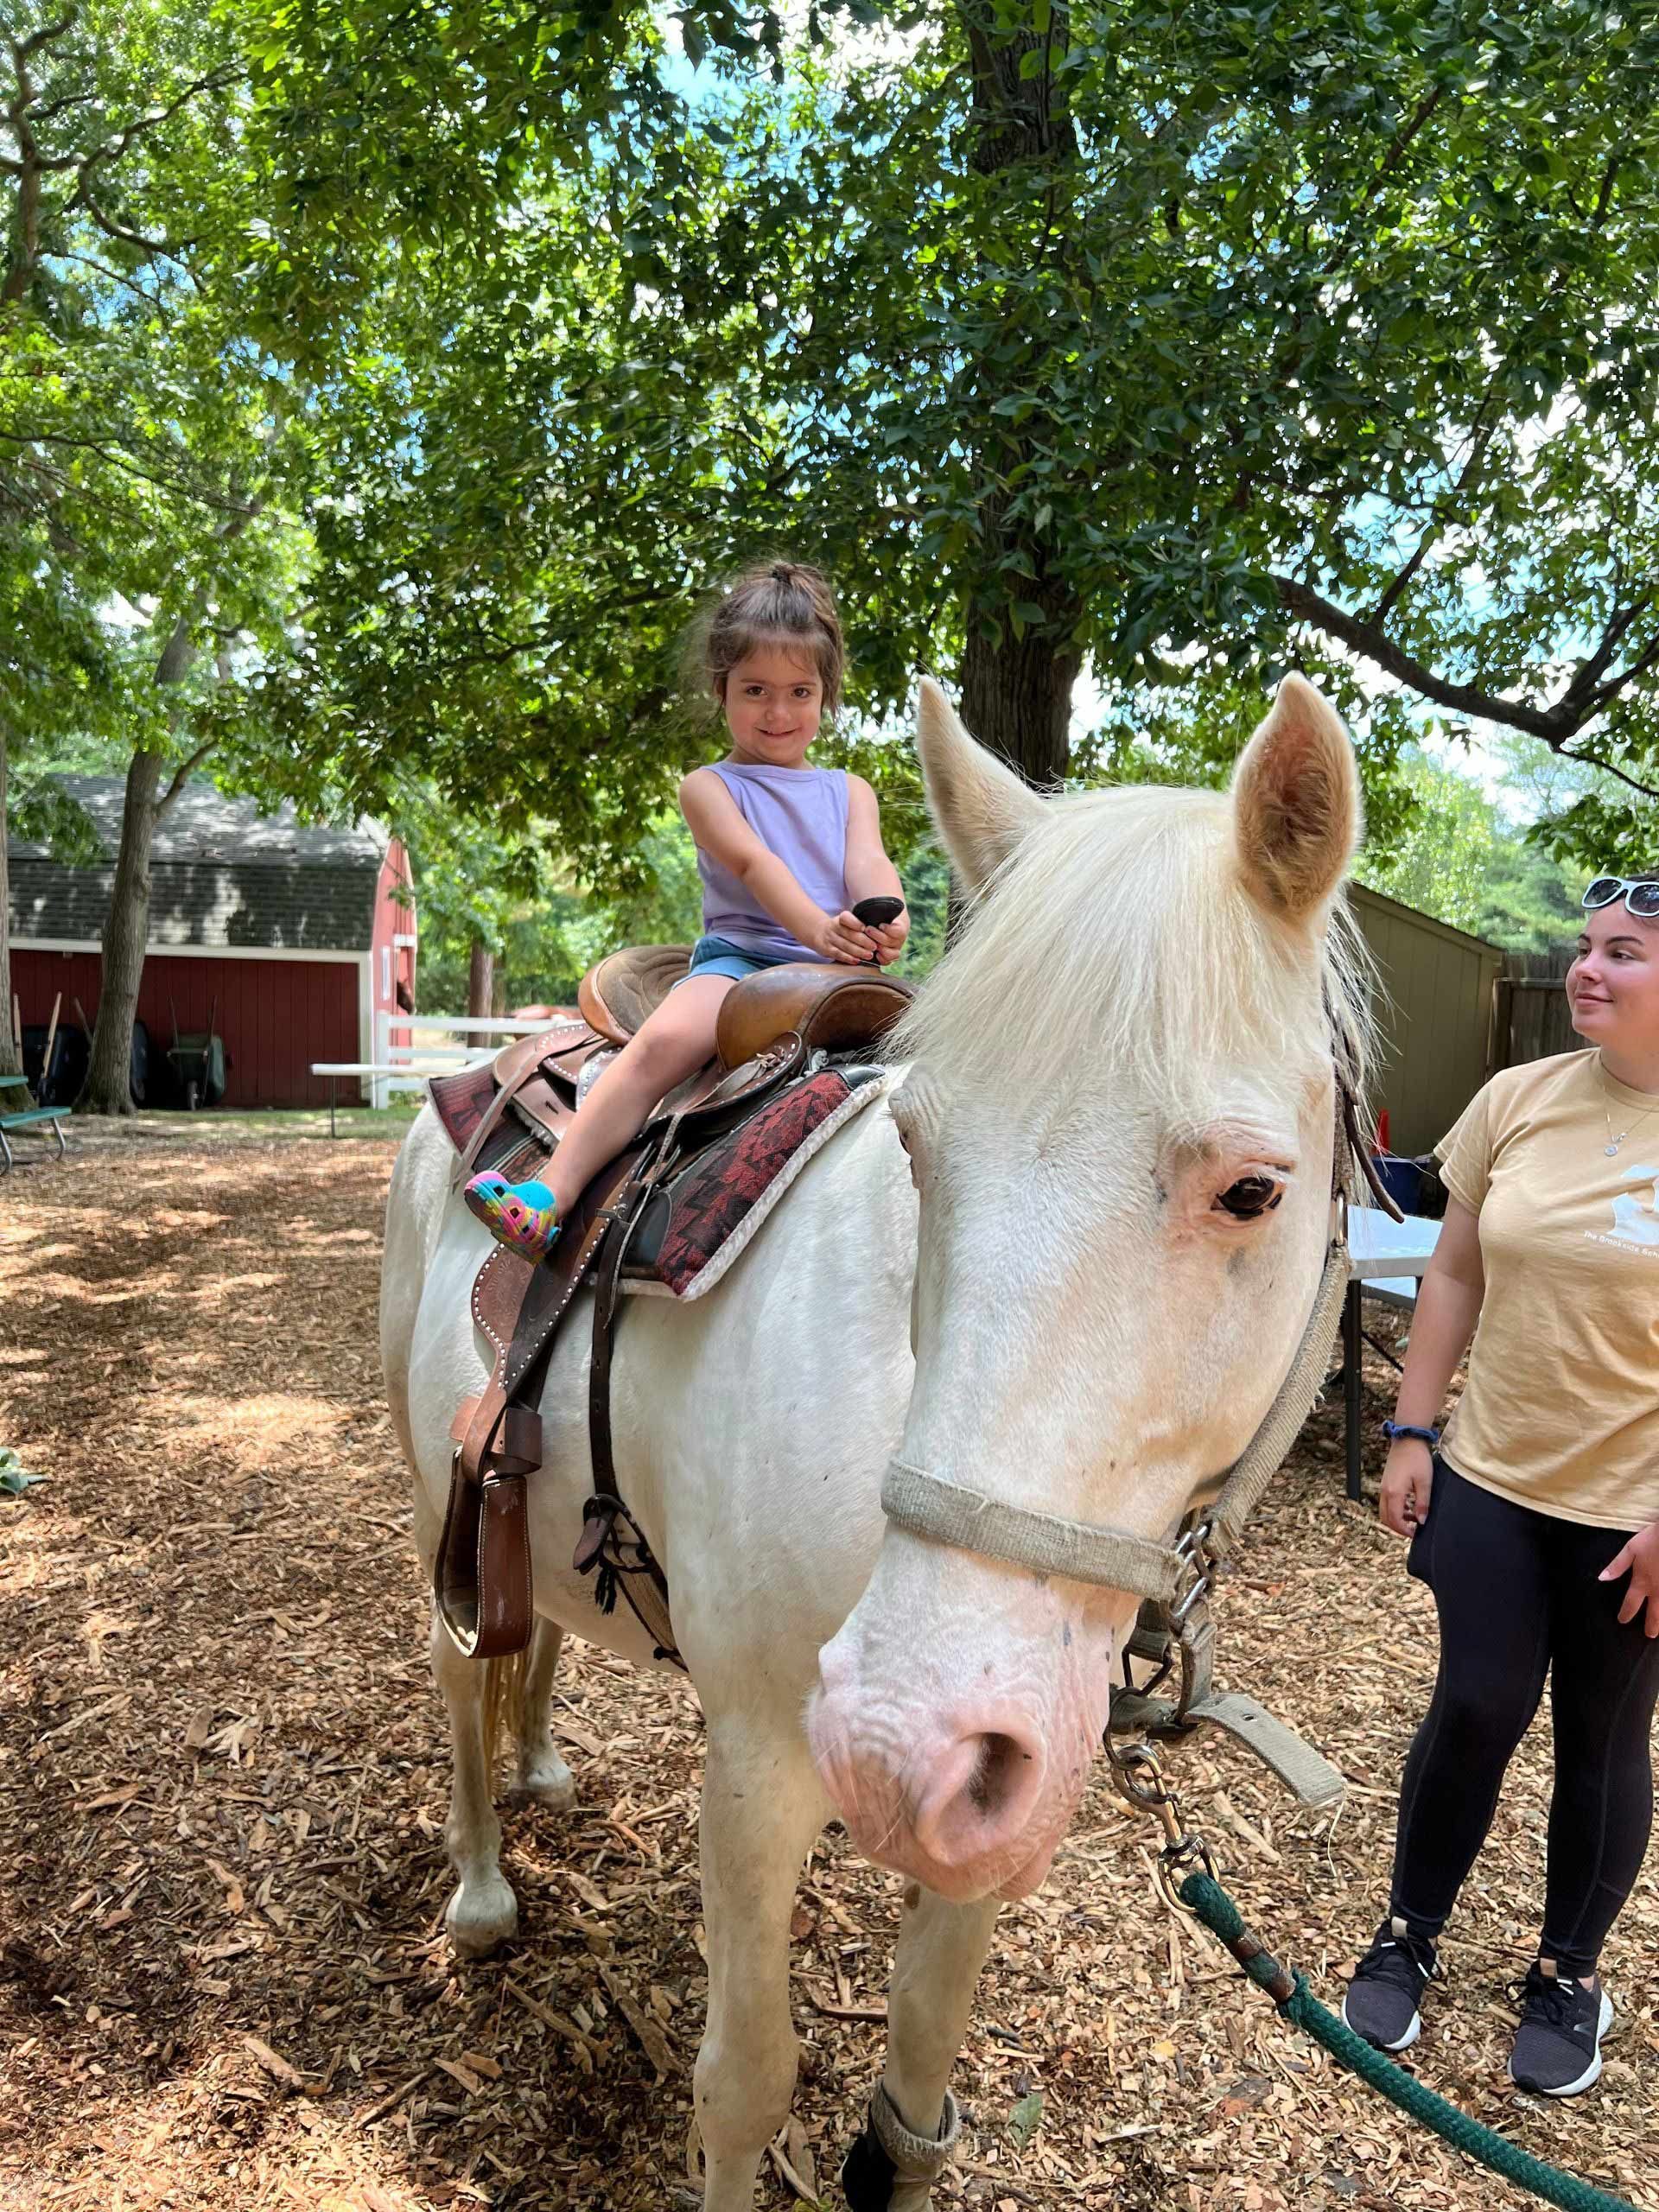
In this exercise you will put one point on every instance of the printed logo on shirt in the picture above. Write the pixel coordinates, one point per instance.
(1636, 1224)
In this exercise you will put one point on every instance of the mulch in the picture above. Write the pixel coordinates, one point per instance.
(223, 1770)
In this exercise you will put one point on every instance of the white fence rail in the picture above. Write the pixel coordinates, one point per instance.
(402, 1063)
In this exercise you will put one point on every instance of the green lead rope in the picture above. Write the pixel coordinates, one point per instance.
(1205, 1898)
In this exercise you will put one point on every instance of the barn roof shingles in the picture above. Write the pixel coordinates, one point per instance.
(221, 874)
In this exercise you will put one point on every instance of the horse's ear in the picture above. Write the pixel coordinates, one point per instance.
(982, 809)
(1296, 803)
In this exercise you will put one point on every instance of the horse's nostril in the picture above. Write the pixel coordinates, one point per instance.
(977, 1794)
(999, 1760)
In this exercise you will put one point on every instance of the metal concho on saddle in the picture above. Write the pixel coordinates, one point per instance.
(776, 1029)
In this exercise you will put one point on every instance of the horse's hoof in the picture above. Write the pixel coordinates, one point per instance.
(481, 1914)
(547, 1782)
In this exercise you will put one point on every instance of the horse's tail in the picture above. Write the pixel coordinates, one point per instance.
(504, 1701)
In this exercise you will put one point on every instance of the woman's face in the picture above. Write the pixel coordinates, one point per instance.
(1613, 986)
(774, 703)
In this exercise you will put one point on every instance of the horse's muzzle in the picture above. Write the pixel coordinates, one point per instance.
(966, 1796)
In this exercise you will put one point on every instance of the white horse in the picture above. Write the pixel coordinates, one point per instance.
(1116, 1074)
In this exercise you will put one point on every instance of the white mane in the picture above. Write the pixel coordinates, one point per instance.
(1120, 937)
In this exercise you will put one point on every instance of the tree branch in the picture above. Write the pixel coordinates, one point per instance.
(115, 146)
(552, 633)
(118, 457)
(55, 108)
(1607, 768)
(158, 248)
(1484, 432)
(1590, 672)
(1554, 724)
(21, 48)
(1604, 197)
(1643, 661)
(183, 775)
(1403, 138)
(114, 276)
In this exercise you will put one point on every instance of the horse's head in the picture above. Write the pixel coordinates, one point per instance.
(1119, 1113)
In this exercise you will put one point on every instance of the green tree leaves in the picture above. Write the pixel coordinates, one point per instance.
(1180, 344)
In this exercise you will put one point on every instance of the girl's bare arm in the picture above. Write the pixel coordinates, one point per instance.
(870, 874)
(715, 822)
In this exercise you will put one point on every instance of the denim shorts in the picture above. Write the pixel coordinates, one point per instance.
(717, 956)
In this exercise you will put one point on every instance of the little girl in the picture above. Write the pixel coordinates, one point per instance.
(784, 852)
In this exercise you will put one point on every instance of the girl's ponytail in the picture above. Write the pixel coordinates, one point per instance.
(780, 603)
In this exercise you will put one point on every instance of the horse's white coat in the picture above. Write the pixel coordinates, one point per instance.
(1094, 1340)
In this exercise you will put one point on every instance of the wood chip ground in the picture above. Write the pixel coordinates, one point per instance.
(223, 1981)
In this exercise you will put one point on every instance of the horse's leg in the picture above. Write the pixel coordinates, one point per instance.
(912, 2122)
(483, 1912)
(762, 1805)
(543, 1774)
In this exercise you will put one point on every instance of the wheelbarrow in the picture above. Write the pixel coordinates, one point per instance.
(197, 1062)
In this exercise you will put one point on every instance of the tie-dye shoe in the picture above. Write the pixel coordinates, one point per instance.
(522, 1216)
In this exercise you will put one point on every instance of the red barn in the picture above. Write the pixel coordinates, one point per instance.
(301, 937)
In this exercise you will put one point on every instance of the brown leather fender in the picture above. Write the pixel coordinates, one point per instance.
(832, 1009)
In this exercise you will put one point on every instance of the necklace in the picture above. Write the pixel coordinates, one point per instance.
(1612, 1146)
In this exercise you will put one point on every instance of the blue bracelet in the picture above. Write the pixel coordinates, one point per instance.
(1392, 1429)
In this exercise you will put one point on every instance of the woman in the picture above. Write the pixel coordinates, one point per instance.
(1537, 1523)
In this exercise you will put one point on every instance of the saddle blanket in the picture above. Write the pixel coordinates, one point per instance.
(696, 1228)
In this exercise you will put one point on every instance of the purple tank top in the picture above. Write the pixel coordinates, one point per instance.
(799, 814)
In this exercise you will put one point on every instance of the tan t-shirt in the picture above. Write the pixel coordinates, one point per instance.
(1562, 1410)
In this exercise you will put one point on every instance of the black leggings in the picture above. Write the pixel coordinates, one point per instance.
(1518, 1599)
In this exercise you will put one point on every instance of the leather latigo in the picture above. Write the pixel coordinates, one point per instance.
(482, 1581)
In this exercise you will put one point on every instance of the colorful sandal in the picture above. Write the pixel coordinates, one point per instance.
(522, 1216)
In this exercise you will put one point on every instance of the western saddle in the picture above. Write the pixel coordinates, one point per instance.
(774, 1027)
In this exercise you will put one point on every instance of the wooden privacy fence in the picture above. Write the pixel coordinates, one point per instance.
(1435, 1017)
(1452, 1010)
(1532, 1020)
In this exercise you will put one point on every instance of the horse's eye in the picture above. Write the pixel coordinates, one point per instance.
(1250, 1197)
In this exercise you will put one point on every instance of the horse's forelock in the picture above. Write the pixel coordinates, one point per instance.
(1119, 940)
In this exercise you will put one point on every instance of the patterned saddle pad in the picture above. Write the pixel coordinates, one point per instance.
(696, 1228)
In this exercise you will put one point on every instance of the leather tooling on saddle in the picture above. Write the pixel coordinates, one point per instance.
(674, 1211)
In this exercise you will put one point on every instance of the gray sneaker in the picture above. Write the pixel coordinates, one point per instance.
(1557, 2045)
(1388, 1987)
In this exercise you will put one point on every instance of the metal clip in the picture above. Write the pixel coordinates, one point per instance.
(1193, 1551)
(1140, 1779)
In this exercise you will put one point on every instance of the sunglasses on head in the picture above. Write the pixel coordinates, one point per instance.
(1639, 892)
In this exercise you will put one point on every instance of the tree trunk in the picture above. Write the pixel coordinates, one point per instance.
(480, 982)
(1016, 699)
(108, 1087)
(1016, 695)
(10, 1061)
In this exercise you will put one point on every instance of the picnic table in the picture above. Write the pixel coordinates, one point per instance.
(1387, 1260)
(410, 1067)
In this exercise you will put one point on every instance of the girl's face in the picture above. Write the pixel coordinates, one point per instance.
(1613, 986)
(774, 703)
